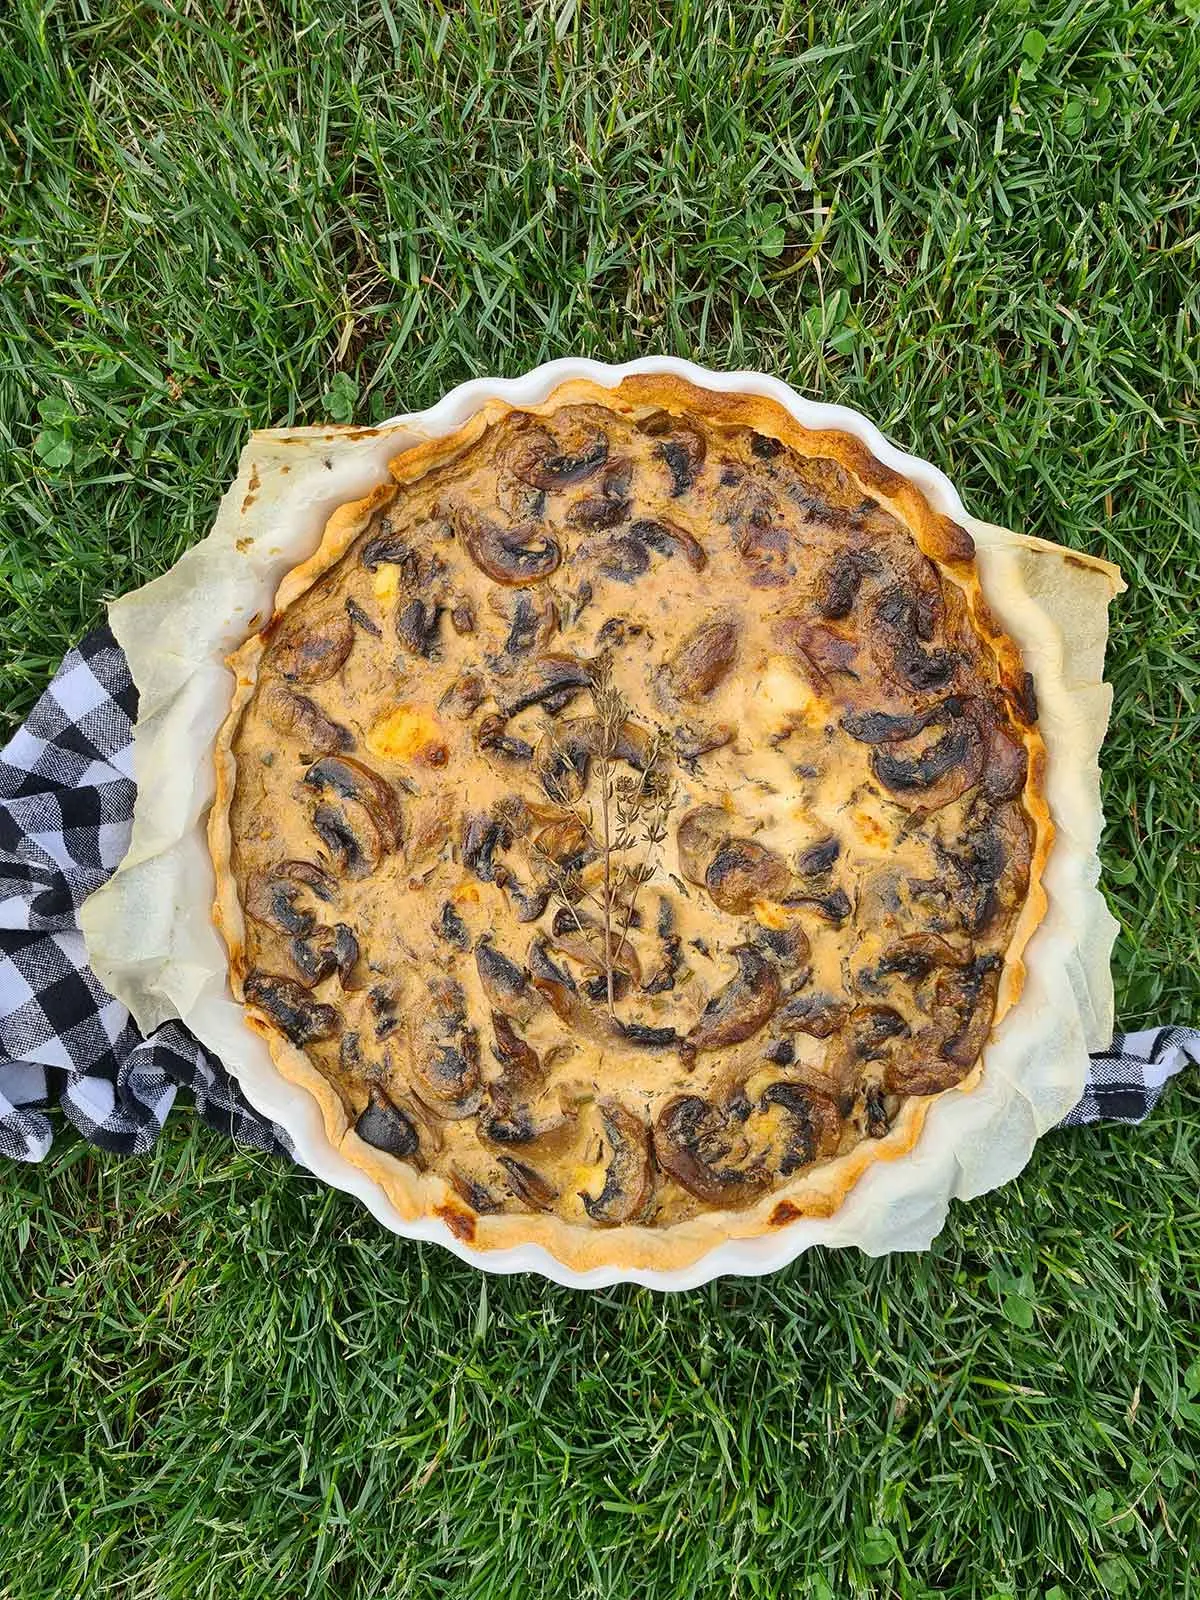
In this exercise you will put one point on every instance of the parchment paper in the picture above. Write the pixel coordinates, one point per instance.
(151, 939)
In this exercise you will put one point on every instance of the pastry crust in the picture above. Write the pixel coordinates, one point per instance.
(817, 1191)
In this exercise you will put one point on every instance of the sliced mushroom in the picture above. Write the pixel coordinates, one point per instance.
(504, 983)
(492, 735)
(833, 907)
(512, 556)
(818, 1015)
(531, 622)
(528, 1185)
(791, 950)
(915, 955)
(351, 780)
(663, 977)
(552, 460)
(872, 1027)
(1005, 767)
(355, 845)
(464, 696)
(474, 1193)
(446, 1078)
(384, 1126)
(360, 618)
(291, 1008)
(451, 927)
(812, 1126)
(743, 872)
(417, 626)
(701, 1146)
(840, 581)
(742, 1007)
(551, 681)
(301, 718)
(609, 504)
(568, 757)
(462, 615)
(699, 836)
(825, 655)
(903, 622)
(704, 659)
(969, 996)
(270, 896)
(390, 546)
(482, 836)
(310, 652)
(323, 952)
(669, 539)
(818, 858)
(628, 1189)
(625, 558)
(938, 774)
(682, 447)
(520, 1064)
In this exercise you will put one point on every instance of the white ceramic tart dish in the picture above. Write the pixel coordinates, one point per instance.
(652, 828)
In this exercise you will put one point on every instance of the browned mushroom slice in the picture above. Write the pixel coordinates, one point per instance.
(704, 658)
(628, 1189)
(624, 558)
(492, 735)
(791, 949)
(324, 952)
(451, 927)
(566, 843)
(967, 999)
(810, 1128)
(482, 836)
(609, 503)
(417, 628)
(834, 907)
(567, 759)
(301, 718)
(555, 455)
(818, 858)
(270, 896)
(291, 1008)
(512, 556)
(355, 845)
(462, 615)
(1005, 767)
(669, 539)
(474, 1193)
(311, 652)
(551, 681)
(464, 696)
(586, 950)
(351, 780)
(935, 775)
(528, 1185)
(742, 1007)
(825, 655)
(904, 623)
(700, 834)
(385, 1127)
(693, 740)
(682, 447)
(818, 1015)
(445, 1066)
(872, 1027)
(520, 1064)
(840, 580)
(504, 983)
(701, 1147)
(915, 955)
(361, 619)
(743, 872)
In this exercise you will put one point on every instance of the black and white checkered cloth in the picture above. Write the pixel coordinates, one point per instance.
(66, 807)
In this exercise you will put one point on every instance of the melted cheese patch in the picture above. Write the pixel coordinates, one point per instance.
(410, 733)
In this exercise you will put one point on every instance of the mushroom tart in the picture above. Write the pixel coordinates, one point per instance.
(630, 819)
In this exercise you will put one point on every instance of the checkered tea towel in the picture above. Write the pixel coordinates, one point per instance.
(66, 806)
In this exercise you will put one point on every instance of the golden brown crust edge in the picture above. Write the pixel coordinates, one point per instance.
(816, 1194)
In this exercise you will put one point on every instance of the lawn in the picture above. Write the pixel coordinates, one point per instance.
(976, 223)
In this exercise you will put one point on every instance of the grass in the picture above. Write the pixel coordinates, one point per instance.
(977, 223)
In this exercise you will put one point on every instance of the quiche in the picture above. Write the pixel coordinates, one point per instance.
(629, 820)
